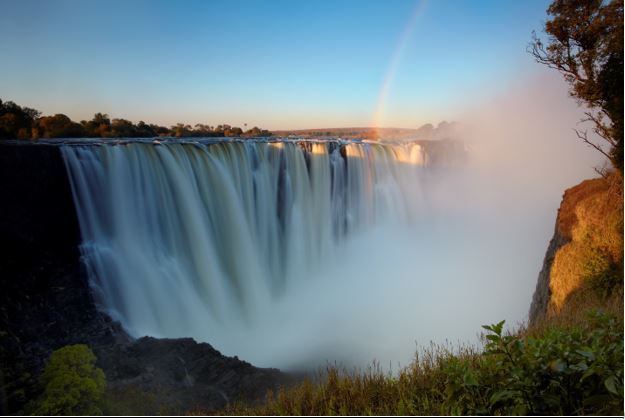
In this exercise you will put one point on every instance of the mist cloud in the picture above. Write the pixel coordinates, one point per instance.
(472, 257)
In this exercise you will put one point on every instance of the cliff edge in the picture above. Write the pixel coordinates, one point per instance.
(584, 260)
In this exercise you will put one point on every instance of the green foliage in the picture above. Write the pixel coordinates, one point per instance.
(131, 400)
(562, 371)
(572, 372)
(602, 273)
(73, 386)
(57, 126)
(16, 122)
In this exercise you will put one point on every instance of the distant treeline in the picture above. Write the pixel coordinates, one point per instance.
(17, 122)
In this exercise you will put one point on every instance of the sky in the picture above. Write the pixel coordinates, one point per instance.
(274, 64)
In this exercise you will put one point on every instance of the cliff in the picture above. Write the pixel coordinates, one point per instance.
(584, 260)
(46, 303)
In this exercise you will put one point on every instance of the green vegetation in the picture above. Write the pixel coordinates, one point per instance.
(131, 400)
(585, 44)
(18, 122)
(563, 370)
(72, 385)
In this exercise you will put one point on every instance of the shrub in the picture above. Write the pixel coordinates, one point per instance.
(602, 273)
(575, 372)
(73, 386)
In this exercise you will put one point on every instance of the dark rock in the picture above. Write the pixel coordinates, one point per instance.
(184, 374)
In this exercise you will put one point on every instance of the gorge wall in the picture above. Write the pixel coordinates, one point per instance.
(584, 260)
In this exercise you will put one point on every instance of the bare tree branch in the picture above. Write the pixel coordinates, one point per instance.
(583, 136)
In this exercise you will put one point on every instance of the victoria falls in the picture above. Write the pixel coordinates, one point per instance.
(311, 208)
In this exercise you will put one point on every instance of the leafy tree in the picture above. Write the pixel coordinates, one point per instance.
(160, 130)
(144, 130)
(58, 126)
(122, 128)
(16, 121)
(98, 126)
(585, 44)
(233, 132)
(256, 132)
(73, 386)
(181, 130)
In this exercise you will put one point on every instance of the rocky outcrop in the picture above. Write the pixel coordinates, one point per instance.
(184, 375)
(542, 293)
(46, 303)
(588, 229)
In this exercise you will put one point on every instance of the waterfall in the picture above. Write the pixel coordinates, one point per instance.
(203, 239)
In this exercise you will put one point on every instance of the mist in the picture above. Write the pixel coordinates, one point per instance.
(472, 256)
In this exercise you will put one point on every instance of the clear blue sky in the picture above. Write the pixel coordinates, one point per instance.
(275, 64)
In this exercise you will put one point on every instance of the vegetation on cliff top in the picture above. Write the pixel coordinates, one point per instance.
(18, 122)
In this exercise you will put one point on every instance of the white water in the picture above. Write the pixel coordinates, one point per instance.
(260, 249)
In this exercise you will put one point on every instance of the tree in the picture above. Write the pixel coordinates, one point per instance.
(256, 132)
(122, 128)
(59, 125)
(233, 132)
(98, 126)
(73, 386)
(160, 130)
(585, 44)
(16, 121)
(145, 130)
(181, 130)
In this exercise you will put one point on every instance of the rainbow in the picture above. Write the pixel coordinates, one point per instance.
(379, 113)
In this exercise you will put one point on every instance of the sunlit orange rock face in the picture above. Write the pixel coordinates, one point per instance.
(588, 239)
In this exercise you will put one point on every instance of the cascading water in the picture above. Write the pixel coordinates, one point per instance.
(216, 240)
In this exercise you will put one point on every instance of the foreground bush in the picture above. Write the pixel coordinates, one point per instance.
(73, 386)
(564, 371)
(575, 372)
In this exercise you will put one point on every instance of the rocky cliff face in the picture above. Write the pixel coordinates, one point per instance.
(542, 293)
(46, 303)
(586, 250)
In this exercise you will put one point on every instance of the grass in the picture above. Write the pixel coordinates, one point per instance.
(559, 368)
(131, 400)
(337, 391)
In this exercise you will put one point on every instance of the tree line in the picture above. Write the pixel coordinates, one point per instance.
(18, 122)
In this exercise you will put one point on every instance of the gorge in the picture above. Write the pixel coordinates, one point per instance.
(384, 241)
